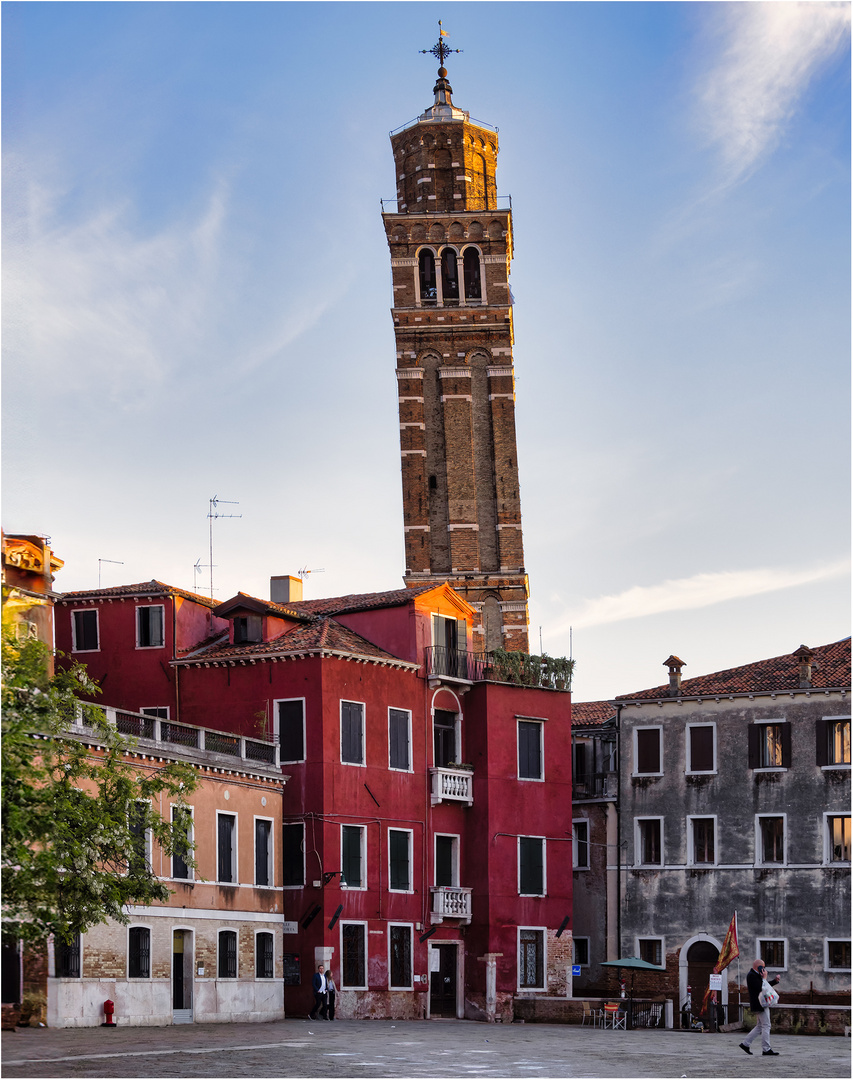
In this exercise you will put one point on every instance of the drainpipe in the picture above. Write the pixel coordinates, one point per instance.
(619, 828)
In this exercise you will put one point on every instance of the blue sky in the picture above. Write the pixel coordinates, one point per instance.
(196, 300)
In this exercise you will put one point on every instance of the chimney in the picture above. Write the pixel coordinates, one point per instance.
(285, 589)
(805, 655)
(675, 665)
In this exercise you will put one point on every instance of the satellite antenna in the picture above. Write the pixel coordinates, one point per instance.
(116, 561)
(212, 516)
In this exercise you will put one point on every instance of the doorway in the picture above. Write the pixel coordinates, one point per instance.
(442, 981)
(182, 976)
(701, 958)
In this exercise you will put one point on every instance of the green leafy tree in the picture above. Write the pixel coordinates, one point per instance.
(74, 804)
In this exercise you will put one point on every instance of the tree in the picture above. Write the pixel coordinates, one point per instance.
(74, 804)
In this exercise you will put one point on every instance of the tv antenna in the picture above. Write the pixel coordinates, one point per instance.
(115, 561)
(304, 572)
(212, 516)
(197, 569)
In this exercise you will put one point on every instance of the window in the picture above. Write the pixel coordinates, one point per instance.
(149, 627)
(227, 966)
(580, 845)
(84, 631)
(770, 839)
(647, 755)
(426, 276)
(263, 851)
(67, 955)
(447, 861)
(264, 956)
(139, 952)
(161, 712)
(353, 956)
(449, 276)
(444, 738)
(701, 836)
(352, 732)
(400, 859)
(770, 745)
(182, 819)
(700, 748)
(291, 729)
(530, 750)
(400, 957)
(353, 856)
(226, 844)
(450, 647)
(833, 741)
(399, 739)
(648, 841)
(838, 955)
(651, 950)
(248, 629)
(139, 856)
(773, 954)
(580, 951)
(531, 866)
(293, 854)
(471, 273)
(837, 838)
(531, 959)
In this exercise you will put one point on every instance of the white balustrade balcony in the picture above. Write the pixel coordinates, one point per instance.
(452, 785)
(450, 902)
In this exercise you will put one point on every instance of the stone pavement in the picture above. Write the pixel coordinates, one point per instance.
(427, 1048)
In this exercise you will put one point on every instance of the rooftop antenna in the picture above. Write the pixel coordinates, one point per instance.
(116, 561)
(304, 572)
(570, 643)
(540, 641)
(197, 569)
(212, 516)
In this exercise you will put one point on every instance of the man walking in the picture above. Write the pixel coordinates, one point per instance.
(318, 985)
(762, 1013)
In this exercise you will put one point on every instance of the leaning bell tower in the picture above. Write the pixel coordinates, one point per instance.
(450, 237)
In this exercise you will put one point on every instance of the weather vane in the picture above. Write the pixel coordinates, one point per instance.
(440, 51)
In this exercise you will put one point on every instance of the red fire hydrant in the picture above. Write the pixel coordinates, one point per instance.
(109, 1009)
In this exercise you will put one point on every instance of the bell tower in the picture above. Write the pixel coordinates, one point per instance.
(450, 238)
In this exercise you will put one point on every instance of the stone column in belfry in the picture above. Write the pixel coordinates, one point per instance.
(450, 237)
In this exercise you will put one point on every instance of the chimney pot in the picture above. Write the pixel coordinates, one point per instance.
(674, 664)
(805, 655)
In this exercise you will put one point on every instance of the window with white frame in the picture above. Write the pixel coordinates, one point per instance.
(139, 855)
(353, 956)
(293, 854)
(773, 951)
(648, 841)
(226, 847)
(833, 742)
(290, 720)
(444, 737)
(770, 839)
(531, 865)
(769, 745)
(701, 841)
(139, 952)
(159, 712)
(580, 951)
(701, 748)
(647, 751)
(182, 821)
(84, 630)
(837, 954)
(580, 844)
(264, 955)
(530, 750)
(447, 860)
(263, 851)
(352, 732)
(150, 633)
(400, 956)
(531, 958)
(400, 739)
(400, 860)
(837, 838)
(227, 958)
(353, 856)
(650, 949)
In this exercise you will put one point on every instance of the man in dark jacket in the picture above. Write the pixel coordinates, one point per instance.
(762, 1014)
(318, 985)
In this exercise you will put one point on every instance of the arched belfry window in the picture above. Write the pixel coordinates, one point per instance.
(426, 276)
(471, 274)
(449, 277)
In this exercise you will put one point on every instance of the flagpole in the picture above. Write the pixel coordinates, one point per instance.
(737, 936)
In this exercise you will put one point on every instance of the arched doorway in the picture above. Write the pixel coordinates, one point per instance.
(695, 963)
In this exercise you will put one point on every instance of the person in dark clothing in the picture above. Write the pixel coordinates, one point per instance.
(762, 1014)
(330, 996)
(318, 985)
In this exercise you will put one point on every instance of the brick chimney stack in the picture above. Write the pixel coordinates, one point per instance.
(674, 665)
(805, 655)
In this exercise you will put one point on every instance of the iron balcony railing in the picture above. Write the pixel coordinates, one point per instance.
(452, 785)
(454, 664)
(450, 902)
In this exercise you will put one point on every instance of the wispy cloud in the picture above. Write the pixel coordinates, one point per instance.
(699, 591)
(770, 53)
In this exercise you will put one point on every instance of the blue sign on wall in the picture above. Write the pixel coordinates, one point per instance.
(576, 970)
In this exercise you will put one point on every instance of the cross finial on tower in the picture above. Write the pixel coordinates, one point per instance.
(440, 51)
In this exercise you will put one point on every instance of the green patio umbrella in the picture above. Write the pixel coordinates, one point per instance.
(635, 964)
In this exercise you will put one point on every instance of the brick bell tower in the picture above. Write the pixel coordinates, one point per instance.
(451, 246)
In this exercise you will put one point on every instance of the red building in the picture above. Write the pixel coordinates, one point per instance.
(427, 818)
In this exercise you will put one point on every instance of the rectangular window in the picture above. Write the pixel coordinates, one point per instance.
(700, 748)
(263, 851)
(399, 855)
(580, 845)
(149, 627)
(399, 737)
(226, 844)
(770, 745)
(353, 956)
(291, 729)
(833, 741)
(227, 966)
(447, 861)
(352, 856)
(772, 953)
(444, 738)
(161, 712)
(531, 959)
(531, 866)
(293, 854)
(264, 956)
(647, 755)
(838, 838)
(770, 839)
(651, 950)
(649, 841)
(838, 955)
(701, 833)
(580, 951)
(248, 629)
(84, 630)
(529, 750)
(352, 732)
(400, 958)
(182, 818)
(139, 953)
(67, 954)
(139, 856)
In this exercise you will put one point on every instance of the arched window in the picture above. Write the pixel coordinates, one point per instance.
(426, 276)
(449, 277)
(471, 274)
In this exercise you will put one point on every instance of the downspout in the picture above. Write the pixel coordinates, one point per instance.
(176, 667)
(619, 829)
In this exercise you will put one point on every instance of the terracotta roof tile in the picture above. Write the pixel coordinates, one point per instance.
(592, 713)
(144, 588)
(339, 605)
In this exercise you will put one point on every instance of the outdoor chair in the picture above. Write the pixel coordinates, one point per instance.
(591, 1014)
(615, 1015)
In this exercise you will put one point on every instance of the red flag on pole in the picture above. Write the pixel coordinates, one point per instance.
(730, 948)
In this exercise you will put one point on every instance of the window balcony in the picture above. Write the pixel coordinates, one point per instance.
(452, 785)
(456, 664)
(600, 785)
(450, 902)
